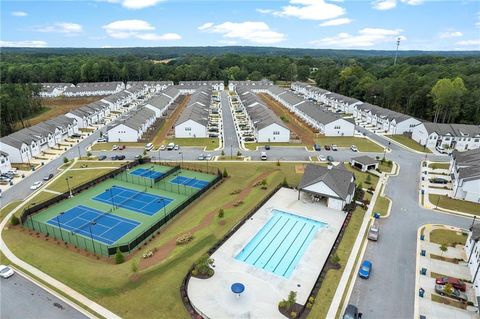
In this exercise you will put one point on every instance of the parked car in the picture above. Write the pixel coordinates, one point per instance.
(115, 147)
(317, 147)
(36, 185)
(351, 312)
(374, 232)
(121, 147)
(354, 148)
(334, 147)
(6, 272)
(139, 156)
(441, 150)
(322, 158)
(102, 157)
(48, 177)
(365, 269)
(114, 157)
(102, 140)
(148, 146)
(208, 157)
(76, 135)
(327, 147)
(162, 147)
(200, 157)
(438, 180)
(170, 146)
(455, 294)
(176, 147)
(330, 158)
(267, 147)
(121, 157)
(263, 156)
(455, 282)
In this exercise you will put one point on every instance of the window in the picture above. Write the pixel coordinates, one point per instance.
(276, 133)
(188, 129)
(476, 140)
(337, 127)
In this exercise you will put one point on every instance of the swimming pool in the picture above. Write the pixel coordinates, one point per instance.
(280, 244)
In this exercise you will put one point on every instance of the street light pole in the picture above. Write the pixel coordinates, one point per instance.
(181, 153)
(68, 185)
(60, 227)
(111, 198)
(91, 236)
(79, 155)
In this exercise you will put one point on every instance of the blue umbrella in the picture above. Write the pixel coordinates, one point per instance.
(238, 288)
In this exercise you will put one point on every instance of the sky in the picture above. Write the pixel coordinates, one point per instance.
(323, 24)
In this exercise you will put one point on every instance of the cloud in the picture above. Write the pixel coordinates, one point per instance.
(390, 4)
(251, 31)
(469, 43)
(140, 29)
(335, 22)
(136, 4)
(61, 27)
(366, 37)
(264, 10)
(27, 44)
(450, 34)
(477, 24)
(19, 14)
(310, 10)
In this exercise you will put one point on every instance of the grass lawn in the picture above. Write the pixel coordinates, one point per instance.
(455, 204)
(209, 143)
(384, 167)
(363, 144)
(330, 283)
(93, 163)
(8, 208)
(408, 142)
(155, 294)
(449, 301)
(108, 146)
(78, 177)
(439, 165)
(253, 146)
(448, 237)
(381, 205)
(361, 177)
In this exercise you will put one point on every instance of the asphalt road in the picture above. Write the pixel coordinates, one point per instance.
(229, 133)
(21, 298)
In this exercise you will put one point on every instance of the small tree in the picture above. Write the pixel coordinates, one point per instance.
(223, 153)
(335, 259)
(285, 183)
(89, 154)
(203, 265)
(225, 173)
(278, 162)
(264, 182)
(14, 220)
(368, 180)
(292, 299)
(65, 160)
(221, 213)
(134, 267)
(119, 258)
(443, 248)
(239, 153)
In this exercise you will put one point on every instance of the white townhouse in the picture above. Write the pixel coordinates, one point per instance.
(472, 249)
(18, 151)
(162, 101)
(460, 137)
(133, 128)
(332, 185)
(150, 86)
(340, 102)
(172, 92)
(53, 89)
(193, 122)
(233, 85)
(94, 89)
(268, 127)
(82, 116)
(32, 141)
(193, 85)
(66, 126)
(465, 173)
(45, 135)
(5, 164)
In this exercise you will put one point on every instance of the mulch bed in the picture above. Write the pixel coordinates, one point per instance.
(295, 308)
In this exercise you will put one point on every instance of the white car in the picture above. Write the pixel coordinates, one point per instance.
(322, 158)
(334, 147)
(354, 148)
(114, 147)
(162, 147)
(176, 147)
(6, 271)
(102, 140)
(36, 185)
(149, 147)
(208, 157)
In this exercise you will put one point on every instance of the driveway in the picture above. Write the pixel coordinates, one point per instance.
(229, 133)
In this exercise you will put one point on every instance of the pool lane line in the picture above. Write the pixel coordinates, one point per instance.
(276, 235)
(291, 244)
(284, 238)
(298, 251)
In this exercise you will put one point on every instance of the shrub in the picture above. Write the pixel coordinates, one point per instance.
(239, 153)
(264, 182)
(293, 314)
(14, 220)
(309, 305)
(89, 154)
(285, 183)
(292, 298)
(225, 173)
(223, 153)
(134, 267)
(65, 160)
(278, 162)
(312, 298)
(335, 260)
(119, 258)
(184, 239)
(221, 213)
(203, 266)
(368, 180)
(194, 272)
(283, 304)
(389, 163)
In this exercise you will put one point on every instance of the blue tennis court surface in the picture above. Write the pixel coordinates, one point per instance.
(147, 173)
(106, 228)
(140, 202)
(191, 182)
(281, 243)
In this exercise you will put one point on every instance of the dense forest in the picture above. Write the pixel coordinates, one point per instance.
(435, 88)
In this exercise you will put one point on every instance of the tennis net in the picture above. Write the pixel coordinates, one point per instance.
(93, 220)
(131, 197)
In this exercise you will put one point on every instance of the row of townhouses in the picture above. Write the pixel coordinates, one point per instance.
(194, 120)
(432, 135)
(465, 173)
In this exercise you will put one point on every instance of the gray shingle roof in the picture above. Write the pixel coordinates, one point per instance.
(365, 160)
(338, 179)
(197, 108)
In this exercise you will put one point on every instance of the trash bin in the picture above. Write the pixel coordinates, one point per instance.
(422, 237)
(423, 271)
(423, 252)
(421, 292)
(423, 192)
(376, 215)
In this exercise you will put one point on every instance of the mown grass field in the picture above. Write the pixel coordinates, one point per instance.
(363, 144)
(408, 142)
(447, 237)
(455, 204)
(253, 146)
(439, 165)
(209, 143)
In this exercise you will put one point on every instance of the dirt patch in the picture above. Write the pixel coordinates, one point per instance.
(165, 250)
(300, 168)
(170, 120)
(300, 129)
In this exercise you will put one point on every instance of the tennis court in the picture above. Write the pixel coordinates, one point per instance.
(104, 227)
(147, 173)
(141, 202)
(191, 182)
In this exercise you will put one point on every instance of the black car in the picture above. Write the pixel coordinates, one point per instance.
(48, 177)
(267, 147)
(114, 157)
(438, 180)
(351, 312)
(102, 157)
(329, 158)
(327, 147)
(76, 135)
(317, 147)
(121, 157)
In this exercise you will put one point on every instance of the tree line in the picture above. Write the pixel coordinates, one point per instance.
(434, 88)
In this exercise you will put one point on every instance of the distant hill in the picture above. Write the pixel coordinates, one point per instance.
(170, 52)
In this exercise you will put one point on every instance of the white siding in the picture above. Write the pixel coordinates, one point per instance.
(273, 133)
(190, 129)
(339, 127)
(122, 133)
(4, 164)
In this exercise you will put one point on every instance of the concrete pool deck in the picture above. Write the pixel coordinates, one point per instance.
(263, 290)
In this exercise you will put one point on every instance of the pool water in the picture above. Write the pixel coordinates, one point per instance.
(281, 243)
